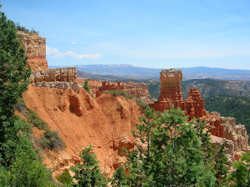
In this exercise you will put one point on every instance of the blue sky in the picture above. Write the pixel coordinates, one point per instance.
(148, 33)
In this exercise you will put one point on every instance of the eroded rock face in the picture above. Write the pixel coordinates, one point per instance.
(138, 90)
(106, 123)
(75, 106)
(171, 95)
(170, 92)
(35, 47)
(194, 105)
(236, 133)
(226, 128)
(52, 75)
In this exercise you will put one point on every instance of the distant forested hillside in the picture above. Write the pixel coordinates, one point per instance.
(234, 106)
(229, 98)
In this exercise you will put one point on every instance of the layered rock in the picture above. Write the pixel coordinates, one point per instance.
(194, 105)
(35, 48)
(226, 127)
(52, 75)
(171, 95)
(138, 90)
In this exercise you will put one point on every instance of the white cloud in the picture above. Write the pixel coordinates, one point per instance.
(55, 53)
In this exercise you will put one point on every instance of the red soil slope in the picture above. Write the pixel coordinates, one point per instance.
(80, 120)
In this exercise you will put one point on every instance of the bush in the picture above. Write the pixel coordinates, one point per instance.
(86, 86)
(24, 29)
(120, 93)
(65, 178)
(36, 121)
(31, 116)
(50, 140)
(88, 172)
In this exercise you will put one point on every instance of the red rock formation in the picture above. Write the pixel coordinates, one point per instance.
(138, 90)
(52, 75)
(171, 95)
(75, 106)
(194, 105)
(105, 122)
(109, 86)
(35, 47)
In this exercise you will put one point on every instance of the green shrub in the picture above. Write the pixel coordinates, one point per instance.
(86, 86)
(120, 93)
(50, 140)
(34, 119)
(31, 116)
(88, 173)
(24, 29)
(65, 178)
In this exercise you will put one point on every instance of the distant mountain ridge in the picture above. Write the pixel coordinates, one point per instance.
(124, 71)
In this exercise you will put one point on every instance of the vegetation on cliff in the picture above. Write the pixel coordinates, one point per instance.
(172, 151)
(20, 164)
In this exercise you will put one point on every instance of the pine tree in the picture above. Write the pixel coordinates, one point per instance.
(221, 166)
(241, 173)
(86, 86)
(171, 153)
(14, 75)
(88, 174)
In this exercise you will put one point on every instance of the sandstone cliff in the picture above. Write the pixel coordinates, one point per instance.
(35, 47)
(138, 90)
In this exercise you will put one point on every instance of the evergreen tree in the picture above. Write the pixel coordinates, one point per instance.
(86, 86)
(88, 174)
(171, 153)
(14, 75)
(221, 166)
(241, 173)
(20, 164)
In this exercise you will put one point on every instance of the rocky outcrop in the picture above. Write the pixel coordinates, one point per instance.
(171, 95)
(224, 130)
(35, 48)
(236, 133)
(74, 105)
(170, 92)
(138, 90)
(53, 75)
(194, 105)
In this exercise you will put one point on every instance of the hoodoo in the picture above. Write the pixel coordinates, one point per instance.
(171, 95)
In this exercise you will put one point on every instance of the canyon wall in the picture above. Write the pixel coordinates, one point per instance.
(35, 47)
(52, 75)
(138, 90)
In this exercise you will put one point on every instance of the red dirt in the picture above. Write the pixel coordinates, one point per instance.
(102, 123)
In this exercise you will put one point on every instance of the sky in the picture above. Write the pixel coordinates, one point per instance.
(146, 33)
